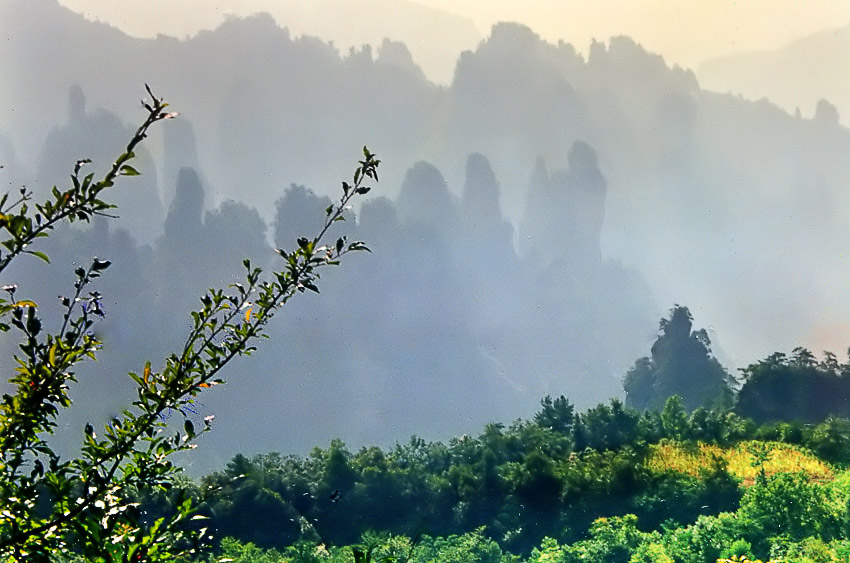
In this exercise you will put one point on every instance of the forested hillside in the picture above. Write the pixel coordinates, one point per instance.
(699, 466)
(609, 484)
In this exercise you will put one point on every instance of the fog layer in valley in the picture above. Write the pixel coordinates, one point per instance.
(534, 220)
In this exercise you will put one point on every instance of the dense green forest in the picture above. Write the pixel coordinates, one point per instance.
(719, 471)
(609, 484)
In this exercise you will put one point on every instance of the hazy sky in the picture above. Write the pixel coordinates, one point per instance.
(686, 32)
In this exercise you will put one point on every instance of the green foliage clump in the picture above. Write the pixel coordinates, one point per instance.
(831, 440)
(611, 540)
(556, 414)
(235, 551)
(794, 388)
(792, 504)
(474, 547)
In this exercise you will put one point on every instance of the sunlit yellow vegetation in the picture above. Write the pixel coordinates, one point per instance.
(740, 461)
(745, 559)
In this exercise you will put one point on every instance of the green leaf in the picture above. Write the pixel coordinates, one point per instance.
(127, 170)
(17, 224)
(39, 254)
(135, 377)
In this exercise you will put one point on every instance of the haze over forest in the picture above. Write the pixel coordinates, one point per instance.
(535, 218)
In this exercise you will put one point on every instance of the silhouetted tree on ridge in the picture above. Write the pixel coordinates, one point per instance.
(680, 364)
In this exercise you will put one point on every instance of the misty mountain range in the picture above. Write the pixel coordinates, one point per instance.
(535, 218)
(812, 64)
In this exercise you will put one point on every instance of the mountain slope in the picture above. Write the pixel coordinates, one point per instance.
(816, 66)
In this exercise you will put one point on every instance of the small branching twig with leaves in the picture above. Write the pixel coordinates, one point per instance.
(85, 504)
